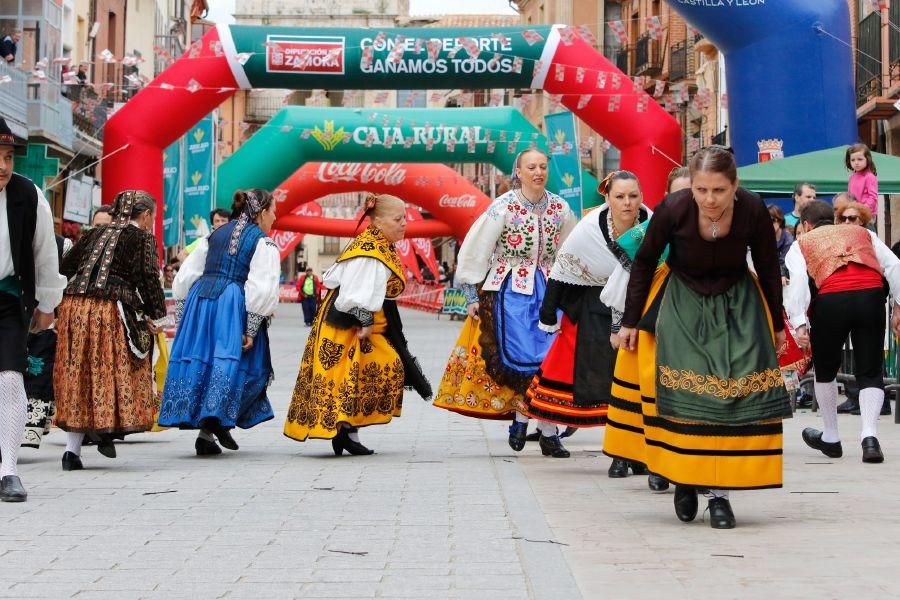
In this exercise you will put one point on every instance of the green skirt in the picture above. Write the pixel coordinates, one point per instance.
(715, 356)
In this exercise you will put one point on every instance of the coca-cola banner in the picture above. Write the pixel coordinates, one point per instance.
(450, 199)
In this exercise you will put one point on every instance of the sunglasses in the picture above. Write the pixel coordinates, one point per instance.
(849, 218)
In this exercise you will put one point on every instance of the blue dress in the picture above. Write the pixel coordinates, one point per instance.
(209, 375)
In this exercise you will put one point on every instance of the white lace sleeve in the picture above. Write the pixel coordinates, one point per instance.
(48, 283)
(797, 295)
(261, 290)
(190, 270)
(477, 249)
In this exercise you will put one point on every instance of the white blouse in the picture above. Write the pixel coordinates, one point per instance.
(797, 295)
(363, 283)
(261, 291)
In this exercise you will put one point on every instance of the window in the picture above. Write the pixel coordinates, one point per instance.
(331, 245)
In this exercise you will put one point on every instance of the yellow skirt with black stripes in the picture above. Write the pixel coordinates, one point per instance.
(702, 455)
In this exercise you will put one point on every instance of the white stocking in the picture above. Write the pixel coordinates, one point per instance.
(547, 428)
(870, 401)
(520, 418)
(73, 442)
(13, 409)
(827, 399)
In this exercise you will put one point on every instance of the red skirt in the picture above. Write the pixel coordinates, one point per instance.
(551, 395)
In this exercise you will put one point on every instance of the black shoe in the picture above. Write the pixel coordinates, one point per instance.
(685, 503)
(206, 447)
(533, 437)
(343, 442)
(71, 462)
(847, 407)
(657, 483)
(11, 489)
(813, 439)
(223, 434)
(551, 446)
(569, 432)
(886, 407)
(804, 400)
(618, 468)
(517, 432)
(638, 468)
(720, 514)
(871, 450)
(106, 446)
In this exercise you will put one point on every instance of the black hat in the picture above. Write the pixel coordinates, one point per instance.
(6, 135)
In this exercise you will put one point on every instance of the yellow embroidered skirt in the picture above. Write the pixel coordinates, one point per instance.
(344, 380)
(466, 387)
(687, 452)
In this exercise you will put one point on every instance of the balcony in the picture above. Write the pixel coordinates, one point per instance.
(49, 114)
(868, 65)
(681, 61)
(13, 107)
(262, 106)
(621, 58)
(647, 57)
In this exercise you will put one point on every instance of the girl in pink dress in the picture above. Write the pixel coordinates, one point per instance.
(863, 178)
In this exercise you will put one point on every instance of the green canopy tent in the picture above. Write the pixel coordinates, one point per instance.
(824, 168)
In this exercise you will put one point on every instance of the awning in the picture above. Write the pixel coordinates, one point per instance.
(824, 168)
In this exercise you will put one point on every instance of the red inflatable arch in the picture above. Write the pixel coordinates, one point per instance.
(449, 197)
(235, 57)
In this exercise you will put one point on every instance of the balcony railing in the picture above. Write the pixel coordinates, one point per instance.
(262, 107)
(622, 59)
(12, 99)
(647, 57)
(868, 63)
(49, 114)
(681, 61)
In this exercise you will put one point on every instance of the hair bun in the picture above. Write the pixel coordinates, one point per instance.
(239, 202)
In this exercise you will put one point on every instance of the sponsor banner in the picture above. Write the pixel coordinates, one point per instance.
(422, 296)
(454, 302)
(198, 179)
(172, 213)
(565, 163)
(288, 293)
(288, 240)
(373, 59)
(384, 173)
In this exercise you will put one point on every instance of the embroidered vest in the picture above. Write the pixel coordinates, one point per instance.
(223, 268)
(371, 243)
(527, 243)
(830, 247)
(21, 213)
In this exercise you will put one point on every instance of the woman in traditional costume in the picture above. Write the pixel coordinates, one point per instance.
(356, 363)
(225, 292)
(696, 371)
(113, 305)
(572, 387)
(502, 268)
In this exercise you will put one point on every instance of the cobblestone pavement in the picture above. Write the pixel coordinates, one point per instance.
(443, 510)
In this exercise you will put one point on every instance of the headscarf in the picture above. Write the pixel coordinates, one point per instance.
(105, 246)
(252, 207)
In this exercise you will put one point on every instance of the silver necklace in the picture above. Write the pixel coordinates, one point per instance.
(714, 227)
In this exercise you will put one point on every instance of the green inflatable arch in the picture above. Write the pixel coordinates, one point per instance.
(300, 134)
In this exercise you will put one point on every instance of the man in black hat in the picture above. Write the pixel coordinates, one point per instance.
(30, 289)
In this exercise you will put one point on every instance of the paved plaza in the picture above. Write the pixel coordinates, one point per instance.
(443, 510)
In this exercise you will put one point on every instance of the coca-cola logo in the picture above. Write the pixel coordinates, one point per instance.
(462, 201)
(283, 239)
(383, 173)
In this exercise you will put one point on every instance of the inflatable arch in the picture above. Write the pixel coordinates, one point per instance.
(789, 79)
(297, 134)
(229, 57)
(453, 201)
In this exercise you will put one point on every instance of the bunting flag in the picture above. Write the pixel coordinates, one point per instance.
(496, 98)
(434, 49)
(193, 86)
(397, 51)
(587, 35)
(368, 56)
(532, 37)
(616, 81)
(470, 45)
(659, 88)
(560, 72)
(567, 35)
(615, 102)
(583, 100)
(638, 84)
(643, 103)
(579, 75)
(491, 146)
(654, 28)
(618, 28)
(501, 38)
(601, 80)
(517, 64)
